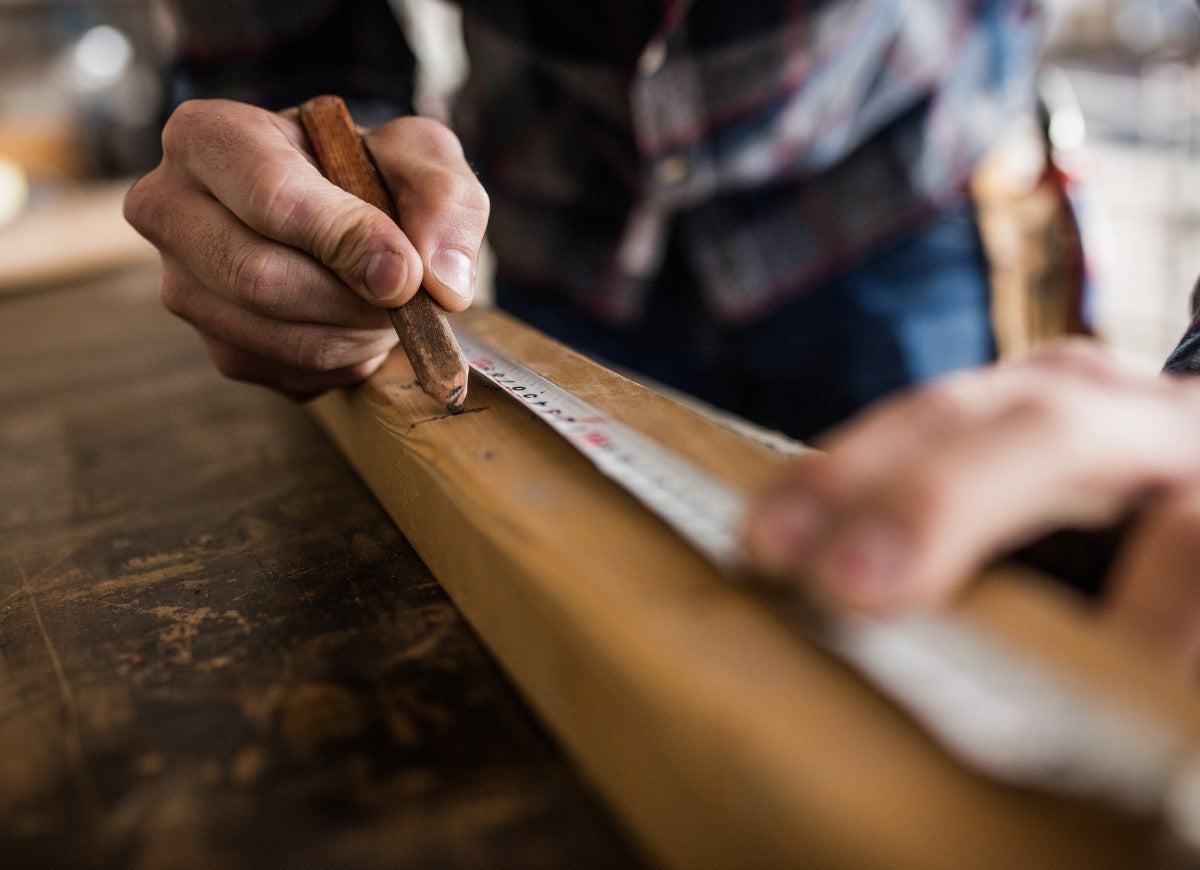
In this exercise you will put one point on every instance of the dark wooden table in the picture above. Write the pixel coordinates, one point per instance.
(216, 650)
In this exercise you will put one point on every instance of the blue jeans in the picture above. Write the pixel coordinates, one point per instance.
(914, 310)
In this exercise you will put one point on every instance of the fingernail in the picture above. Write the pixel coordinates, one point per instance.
(453, 268)
(781, 532)
(864, 563)
(386, 275)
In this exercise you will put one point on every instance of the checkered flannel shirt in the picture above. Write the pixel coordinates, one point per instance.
(779, 140)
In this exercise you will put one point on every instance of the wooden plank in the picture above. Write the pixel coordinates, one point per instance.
(718, 732)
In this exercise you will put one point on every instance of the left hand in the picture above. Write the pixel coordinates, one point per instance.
(909, 500)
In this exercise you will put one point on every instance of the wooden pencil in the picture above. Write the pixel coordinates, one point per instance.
(436, 358)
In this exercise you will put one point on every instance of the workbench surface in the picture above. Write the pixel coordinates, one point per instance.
(216, 650)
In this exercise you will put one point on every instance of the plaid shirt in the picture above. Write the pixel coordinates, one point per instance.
(779, 141)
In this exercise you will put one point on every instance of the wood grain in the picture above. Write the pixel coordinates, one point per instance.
(717, 731)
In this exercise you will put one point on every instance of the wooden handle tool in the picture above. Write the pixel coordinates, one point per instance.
(436, 358)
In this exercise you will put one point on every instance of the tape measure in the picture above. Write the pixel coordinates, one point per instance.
(704, 511)
(986, 706)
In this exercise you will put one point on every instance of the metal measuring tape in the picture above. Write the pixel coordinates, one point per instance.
(994, 711)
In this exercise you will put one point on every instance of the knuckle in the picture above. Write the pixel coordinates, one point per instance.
(456, 192)
(955, 401)
(342, 237)
(274, 200)
(349, 375)
(341, 240)
(258, 277)
(475, 197)
(143, 208)
(334, 349)
(178, 134)
(174, 297)
(318, 350)
(426, 136)
(439, 176)
(359, 372)
(946, 401)
(336, 230)
(134, 206)
(1079, 357)
(1050, 414)
(462, 190)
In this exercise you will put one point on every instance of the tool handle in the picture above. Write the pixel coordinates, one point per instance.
(432, 349)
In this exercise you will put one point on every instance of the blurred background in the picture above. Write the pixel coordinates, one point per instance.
(84, 90)
(81, 86)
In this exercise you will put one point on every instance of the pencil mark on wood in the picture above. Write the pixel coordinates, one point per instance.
(408, 428)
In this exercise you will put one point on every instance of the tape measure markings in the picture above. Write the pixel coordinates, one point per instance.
(705, 511)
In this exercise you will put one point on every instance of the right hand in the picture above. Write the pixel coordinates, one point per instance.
(286, 276)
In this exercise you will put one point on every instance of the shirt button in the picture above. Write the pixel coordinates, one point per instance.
(673, 169)
(652, 58)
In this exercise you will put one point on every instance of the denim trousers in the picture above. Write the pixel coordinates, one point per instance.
(915, 309)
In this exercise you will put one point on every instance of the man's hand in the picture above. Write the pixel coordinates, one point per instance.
(285, 275)
(905, 503)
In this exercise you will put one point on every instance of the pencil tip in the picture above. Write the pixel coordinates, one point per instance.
(457, 400)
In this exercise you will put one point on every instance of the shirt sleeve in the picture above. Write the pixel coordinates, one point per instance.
(277, 55)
